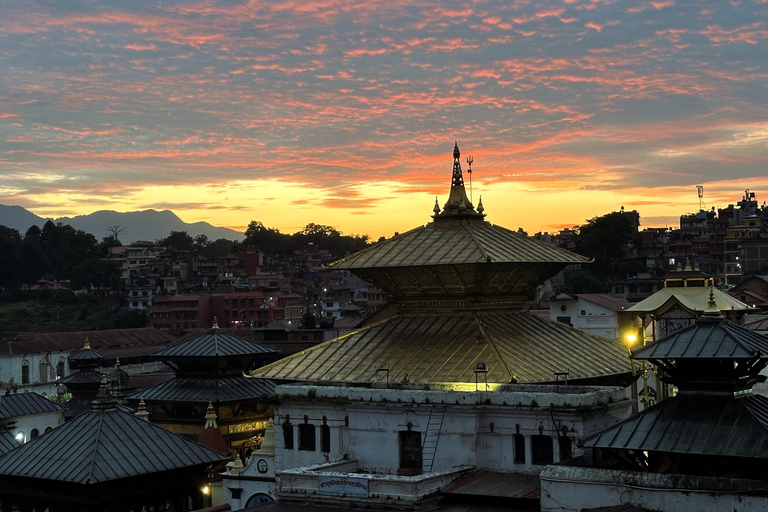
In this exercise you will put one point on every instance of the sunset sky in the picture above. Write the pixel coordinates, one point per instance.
(345, 112)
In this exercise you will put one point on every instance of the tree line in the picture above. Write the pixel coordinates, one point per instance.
(59, 252)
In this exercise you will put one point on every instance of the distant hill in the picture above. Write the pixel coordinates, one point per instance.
(146, 225)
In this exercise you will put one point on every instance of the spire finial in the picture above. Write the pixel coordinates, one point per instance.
(210, 417)
(480, 208)
(458, 206)
(712, 309)
(436, 209)
(87, 345)
(142, 411)
(215, 323)
(456, 152)
(104, 399)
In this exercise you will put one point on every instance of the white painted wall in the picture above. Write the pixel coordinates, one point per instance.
(477, 428)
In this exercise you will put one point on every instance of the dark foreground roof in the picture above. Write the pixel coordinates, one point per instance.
(215, 344)
(25, 404)
(694, 424)
(104, 445)
(204, 390)
(7, 442)
(710, 337)
(104, 341)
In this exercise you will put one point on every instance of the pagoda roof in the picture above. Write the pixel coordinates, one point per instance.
(691, 298)
(694, 424)
(206, 389)
(441, 243)
(709, 337)
(214, 344)
(25, 404)
(104, 445)
(444, 347)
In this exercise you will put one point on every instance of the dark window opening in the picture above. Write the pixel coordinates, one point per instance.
(307, 437)
(519, 448)
(410, 450)
(566, 448)
(288, 435)
(325, 438)
(542, 451)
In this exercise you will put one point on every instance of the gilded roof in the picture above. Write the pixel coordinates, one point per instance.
(691, 298)
(445, 348)
(440, 243)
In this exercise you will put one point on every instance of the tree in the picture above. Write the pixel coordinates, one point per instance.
(606, 239)
(10, 258)
(177, 241)
(114, 231)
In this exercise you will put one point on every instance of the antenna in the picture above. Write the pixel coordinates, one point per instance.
(469, 171)
(700, 190)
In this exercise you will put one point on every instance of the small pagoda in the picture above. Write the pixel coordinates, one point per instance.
(106, 460)
(85, 381)
(209, 370)
(714, 425)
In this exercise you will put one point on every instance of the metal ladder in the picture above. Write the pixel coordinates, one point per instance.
(431, 437)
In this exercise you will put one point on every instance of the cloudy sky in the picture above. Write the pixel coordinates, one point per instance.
(345, 112)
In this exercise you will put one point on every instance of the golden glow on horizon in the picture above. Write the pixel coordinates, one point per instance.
(383, 208)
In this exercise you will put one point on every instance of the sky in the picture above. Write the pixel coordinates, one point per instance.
(345, 112)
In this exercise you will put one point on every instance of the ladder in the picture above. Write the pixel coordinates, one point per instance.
(431, 437)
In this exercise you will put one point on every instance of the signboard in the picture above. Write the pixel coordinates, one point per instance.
(251, 426)
(598, 320)
(343, 486)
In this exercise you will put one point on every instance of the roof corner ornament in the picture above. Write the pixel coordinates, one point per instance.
(142, 412)
(480, 208)
(436, 209)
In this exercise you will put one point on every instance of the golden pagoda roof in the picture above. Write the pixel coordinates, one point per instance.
(693, 299)
(459, 254)
(445, 349)
(440, 243)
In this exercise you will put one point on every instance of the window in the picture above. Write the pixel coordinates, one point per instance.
(325, 438)
(519, 448)
(43, 371)
(287, 435)
(564, 320)
(410, 450)
(307, 437)
(34, 433)
(25, 372)
(542, 451)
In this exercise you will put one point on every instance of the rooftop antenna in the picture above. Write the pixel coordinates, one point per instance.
(469, 171)
(700, 190)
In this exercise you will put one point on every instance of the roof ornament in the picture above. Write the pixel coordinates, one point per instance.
(436, 209)
(480, 208)
(458, 206)
(711, 309)
(215, 323)
(142, 411)
(469, 171)
(87, 345)
(104, 399)
(210, 417)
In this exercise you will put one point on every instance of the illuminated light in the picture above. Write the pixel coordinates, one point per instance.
(631, 339)
(206, 490)
(19, 437)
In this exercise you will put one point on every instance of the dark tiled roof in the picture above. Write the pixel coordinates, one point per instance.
(707, 338)
(204, 390)
(100, 446)
(444, 348)
(605, 300)
(694, 424)
(214, 343)
(86, 355)
(26, 404)
(99, 340)
(7, 442)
